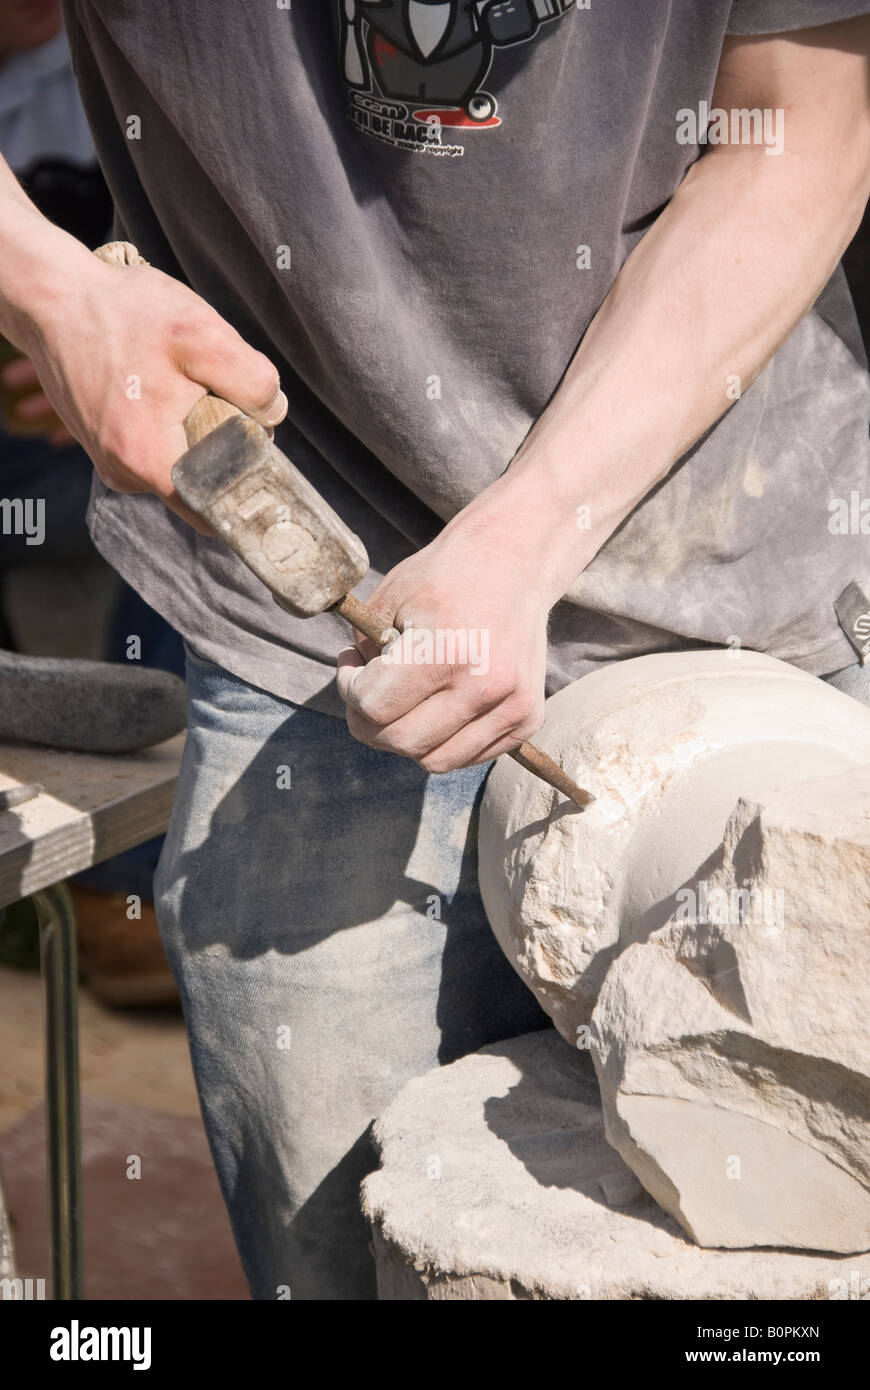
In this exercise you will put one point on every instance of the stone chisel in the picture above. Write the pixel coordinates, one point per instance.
(257, 501)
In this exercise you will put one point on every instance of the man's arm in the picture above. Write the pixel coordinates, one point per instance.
(89, 327)
(736, 259)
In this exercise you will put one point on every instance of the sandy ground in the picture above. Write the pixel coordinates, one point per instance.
(164, 1235)
(132, 1057)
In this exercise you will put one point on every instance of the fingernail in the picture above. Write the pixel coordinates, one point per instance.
(278, 411)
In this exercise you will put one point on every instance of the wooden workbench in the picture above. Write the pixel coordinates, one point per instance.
(94, 806)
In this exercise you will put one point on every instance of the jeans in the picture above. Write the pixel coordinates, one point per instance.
(852, 680)
(163, 648)
(319, 907)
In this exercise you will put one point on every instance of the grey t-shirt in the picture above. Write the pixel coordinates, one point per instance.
(392, 202)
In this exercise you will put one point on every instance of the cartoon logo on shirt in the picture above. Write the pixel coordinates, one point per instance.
(416, 68)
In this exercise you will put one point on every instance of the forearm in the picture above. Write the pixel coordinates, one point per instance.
(737, 258)
(40, 265)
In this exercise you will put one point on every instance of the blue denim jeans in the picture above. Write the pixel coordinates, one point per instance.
(318, 901)
(852, 680)
(319, 906)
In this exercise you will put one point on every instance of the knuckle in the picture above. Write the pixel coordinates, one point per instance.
(435, 763)
(367, 705)
(450, 673)
(391, 743)
(185, 327)
(529, 726)
(357, 726)
(518, 717)
(195, 331)
(503, 682)
(523, 708)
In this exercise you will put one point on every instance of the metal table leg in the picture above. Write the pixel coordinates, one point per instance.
(57, 947)
(7, 1253)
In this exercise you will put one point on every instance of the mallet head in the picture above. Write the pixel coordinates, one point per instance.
(260, 504)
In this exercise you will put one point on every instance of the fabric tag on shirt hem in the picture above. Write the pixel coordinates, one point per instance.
(853, 613)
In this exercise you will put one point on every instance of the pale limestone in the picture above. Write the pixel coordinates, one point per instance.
(734, 1052)
(492, 1186)
(668, 744)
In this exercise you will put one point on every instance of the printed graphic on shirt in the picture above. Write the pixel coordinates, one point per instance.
(415, 69)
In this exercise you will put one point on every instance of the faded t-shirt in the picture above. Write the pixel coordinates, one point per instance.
(415, 210)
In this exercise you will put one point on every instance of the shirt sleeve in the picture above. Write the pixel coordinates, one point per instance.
(776, 16)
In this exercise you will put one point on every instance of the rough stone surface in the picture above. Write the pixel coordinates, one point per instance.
(88, 706)
(496, 1182)
(667, 744)
(732, 1048)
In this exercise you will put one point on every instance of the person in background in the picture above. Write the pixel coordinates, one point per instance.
(45, 139)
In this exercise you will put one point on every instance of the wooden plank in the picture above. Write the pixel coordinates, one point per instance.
(94, 806)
